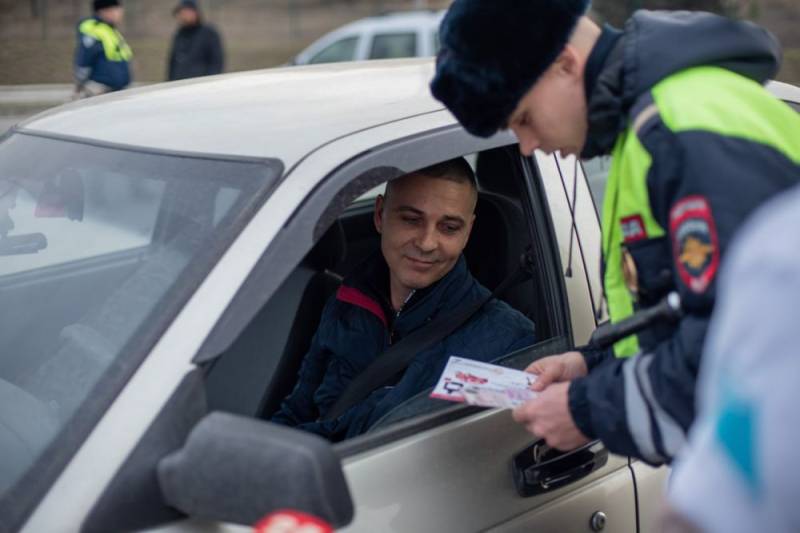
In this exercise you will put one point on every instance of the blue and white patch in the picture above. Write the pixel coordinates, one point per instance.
(735, 431)
(88, 41)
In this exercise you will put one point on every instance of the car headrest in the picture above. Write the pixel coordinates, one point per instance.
(330, 250)
(494, 169)
(500, 233)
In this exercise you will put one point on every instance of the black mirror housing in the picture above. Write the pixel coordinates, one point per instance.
(238, 470)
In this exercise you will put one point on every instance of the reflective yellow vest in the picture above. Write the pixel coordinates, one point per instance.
(114, 45)
(676, 102)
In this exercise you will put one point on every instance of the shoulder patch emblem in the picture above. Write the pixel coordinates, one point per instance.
(633, 229)
(694, 242)
(88, 41)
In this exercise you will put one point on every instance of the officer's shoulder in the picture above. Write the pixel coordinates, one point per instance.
(86, 23)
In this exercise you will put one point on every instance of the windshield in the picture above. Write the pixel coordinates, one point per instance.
(99, 249)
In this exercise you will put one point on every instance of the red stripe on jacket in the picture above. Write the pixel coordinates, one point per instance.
(358, 298)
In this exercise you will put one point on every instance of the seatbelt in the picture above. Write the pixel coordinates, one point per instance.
(398, 356)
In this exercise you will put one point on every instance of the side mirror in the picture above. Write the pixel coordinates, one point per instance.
(236, 469)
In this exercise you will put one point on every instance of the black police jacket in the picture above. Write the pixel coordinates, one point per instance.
(644, 405)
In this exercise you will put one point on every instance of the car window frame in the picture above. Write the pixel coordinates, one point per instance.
(323, 205)
(302, 231)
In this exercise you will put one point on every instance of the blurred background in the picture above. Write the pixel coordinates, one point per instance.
(37, 37)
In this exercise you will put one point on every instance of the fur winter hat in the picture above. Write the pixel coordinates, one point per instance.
(493, 51)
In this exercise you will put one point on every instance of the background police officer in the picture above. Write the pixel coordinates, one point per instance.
(696, 143)
(102, 57)
(196, 47)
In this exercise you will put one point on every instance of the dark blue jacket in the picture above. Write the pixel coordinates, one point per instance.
(357, 325)
(101, 55)
(702, 183)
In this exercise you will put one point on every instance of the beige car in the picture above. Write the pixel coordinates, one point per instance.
(165, 254)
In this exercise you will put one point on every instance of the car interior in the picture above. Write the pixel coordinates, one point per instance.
(260, 368)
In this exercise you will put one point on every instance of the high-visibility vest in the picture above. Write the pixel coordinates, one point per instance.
(677, 103)
(114, 45)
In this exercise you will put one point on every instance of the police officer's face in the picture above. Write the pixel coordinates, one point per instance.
(552, 114)
(424, 224)
(113, 14)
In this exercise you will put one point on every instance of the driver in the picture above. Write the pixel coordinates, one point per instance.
(424, 221)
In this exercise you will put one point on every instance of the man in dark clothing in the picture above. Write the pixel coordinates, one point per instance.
(697, 144)
(424, 220)
(196, 47)
(102, 57)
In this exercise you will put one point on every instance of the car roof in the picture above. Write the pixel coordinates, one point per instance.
(281, 113)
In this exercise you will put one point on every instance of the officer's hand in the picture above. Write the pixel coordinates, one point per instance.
(548, 417)
(556, 368)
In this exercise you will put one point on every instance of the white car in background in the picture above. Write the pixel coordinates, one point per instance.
(390, 36)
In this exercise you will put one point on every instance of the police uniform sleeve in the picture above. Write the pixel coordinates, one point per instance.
(643, 406)
(87, 51)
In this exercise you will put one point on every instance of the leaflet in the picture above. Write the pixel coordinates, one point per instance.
(477, 383)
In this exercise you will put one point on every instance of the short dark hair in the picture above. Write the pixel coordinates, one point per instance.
(456, 169)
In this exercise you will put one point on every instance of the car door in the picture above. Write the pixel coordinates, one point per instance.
(465, 464)
(452, 469)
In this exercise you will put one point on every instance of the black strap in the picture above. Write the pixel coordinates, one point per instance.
(398, 356)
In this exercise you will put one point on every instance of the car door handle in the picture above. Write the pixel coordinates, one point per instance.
(539, 468)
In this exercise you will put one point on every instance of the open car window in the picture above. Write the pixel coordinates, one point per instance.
(261, 367)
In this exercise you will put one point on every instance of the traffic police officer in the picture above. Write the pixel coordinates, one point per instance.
(102, 57)
(696, 143)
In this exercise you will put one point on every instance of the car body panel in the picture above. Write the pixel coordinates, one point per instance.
(582, 315)
(165, 117)
(612, 495)
(651, 484)
(461, 466)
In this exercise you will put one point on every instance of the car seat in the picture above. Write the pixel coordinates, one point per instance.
(498, 239)
(254, 375)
